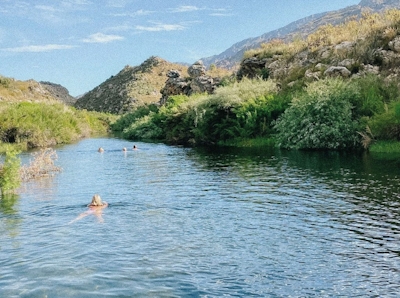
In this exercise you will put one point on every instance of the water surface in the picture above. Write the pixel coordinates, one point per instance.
(204, 223)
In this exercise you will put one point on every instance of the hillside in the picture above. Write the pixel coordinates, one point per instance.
(231, 57)
(133, 85)
(12, 90)
(368, 45)
(59, 92)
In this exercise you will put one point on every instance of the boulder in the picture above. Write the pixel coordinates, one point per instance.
(197, 69)
(202, 84)
(337, 71)
(344, 48)
(394, 45)
(173, 73)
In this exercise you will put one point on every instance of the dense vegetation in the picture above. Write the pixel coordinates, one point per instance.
(331, 113)
(29, 125)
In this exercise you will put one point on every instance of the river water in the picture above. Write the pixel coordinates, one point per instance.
(187, 222)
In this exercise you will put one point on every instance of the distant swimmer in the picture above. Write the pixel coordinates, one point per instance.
(100, 150)
(134, 147)
(124, 149)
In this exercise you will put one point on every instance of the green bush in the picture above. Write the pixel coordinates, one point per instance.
(320, 118)
(43, 124)
(386, 126)
(9, 172)
(126, 120)
(142, 128)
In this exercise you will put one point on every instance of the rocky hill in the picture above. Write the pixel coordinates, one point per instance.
(12, 90)
(132, 86)
(59, 92)
(231, 57)
(369, 45)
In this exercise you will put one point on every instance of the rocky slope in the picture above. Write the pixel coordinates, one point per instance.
(355, 48)
(231, 57)
(132, 86)
(59, 92)
(12, 90)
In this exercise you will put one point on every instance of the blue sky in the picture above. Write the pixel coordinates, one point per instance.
(81, 43)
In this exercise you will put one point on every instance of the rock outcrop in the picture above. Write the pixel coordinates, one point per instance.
(197, 82)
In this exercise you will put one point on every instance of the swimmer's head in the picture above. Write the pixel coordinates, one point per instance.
(96, 201)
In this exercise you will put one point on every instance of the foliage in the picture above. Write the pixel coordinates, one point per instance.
(9, 172)
(126, 120)
(142, 128)
(373, 96)
(44, 124)
(242, 109)
(385, 147)
(320, 118)
(386, 126)
(42, 165)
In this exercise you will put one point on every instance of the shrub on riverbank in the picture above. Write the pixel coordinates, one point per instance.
(29, 125)
(321, 118)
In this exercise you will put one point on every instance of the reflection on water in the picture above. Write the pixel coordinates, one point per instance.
(204, 223)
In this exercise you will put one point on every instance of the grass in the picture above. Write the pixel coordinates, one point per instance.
(385, 147)
(28, 125)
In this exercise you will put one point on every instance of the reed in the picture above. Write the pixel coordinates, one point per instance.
(42, 165)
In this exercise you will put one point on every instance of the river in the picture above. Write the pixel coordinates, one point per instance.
(184, 222)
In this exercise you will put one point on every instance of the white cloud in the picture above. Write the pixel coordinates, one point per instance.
(39, 48)
(185, 8)
(160, 27)
(140, 12)
(102, 38)
(46, 8)
(220, 14)
(117, 3)
(75, 4)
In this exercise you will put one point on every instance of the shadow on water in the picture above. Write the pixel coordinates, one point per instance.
(360, 178)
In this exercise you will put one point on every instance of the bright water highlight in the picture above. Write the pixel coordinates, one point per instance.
(204, 223)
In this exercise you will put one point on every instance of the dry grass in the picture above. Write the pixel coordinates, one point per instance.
(379, 25)
(366, 137)
(12, 90)
(42, 165)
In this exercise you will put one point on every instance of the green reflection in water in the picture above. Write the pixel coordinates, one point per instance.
(9, 219)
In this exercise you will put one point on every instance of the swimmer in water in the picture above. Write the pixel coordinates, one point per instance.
(95, 208)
